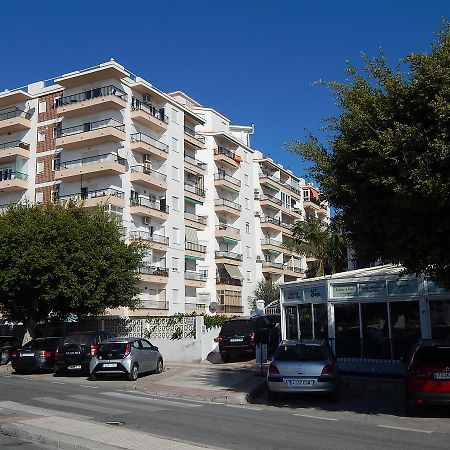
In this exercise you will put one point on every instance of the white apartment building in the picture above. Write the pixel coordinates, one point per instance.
(179, 175)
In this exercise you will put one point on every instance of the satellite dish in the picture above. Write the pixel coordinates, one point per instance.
(213, 307)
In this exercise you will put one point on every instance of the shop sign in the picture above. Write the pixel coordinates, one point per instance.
(293, 294)
(345, 290)
(434, 288)
(315, 293)
(372, 289)
(403, 287)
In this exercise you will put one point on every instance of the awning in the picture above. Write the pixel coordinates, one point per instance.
(271, 186)
(229, 240)
(195, 258)
(233, 271)
(191, 235)
(192, 200)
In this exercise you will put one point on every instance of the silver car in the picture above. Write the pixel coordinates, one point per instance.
(129, 356)
(303, 366)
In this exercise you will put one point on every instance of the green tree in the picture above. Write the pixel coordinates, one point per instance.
(61, 260)
(326, 243)
(265, 290)
(385, 162)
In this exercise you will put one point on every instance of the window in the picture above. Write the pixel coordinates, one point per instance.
(247, 227)
(40, 166)
(286, 200)
(175, 203)
(246, 203)
(249, 276)
(54, 196)
(39, 198)
(175, 235)
(248, 252)
(175, 144)
(174, 115)
(42, 107)
(175, 173)
(175, 264)
(56, 161)
(246, 156)
(246, 179)
(41, 136)
(175, 295)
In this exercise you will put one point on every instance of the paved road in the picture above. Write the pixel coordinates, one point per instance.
(357, 422)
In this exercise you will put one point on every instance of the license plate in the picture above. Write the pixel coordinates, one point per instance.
(236, 340)
(299, 382)
(74, 367)
(109, 365)
(26, 354)
(73, 353)
(442, 375)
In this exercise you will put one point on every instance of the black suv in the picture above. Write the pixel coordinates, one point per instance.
(77, 349)
(239, 335)
(7, 345)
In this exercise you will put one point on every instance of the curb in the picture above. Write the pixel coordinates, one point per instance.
(256, 391)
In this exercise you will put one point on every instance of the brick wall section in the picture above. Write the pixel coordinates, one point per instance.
(49, 143)
(47, 175)
(50, 112)
(47, 191)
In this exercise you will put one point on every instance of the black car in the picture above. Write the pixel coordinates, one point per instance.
(239, 335)
(7, 345)
(77, 349)
(36, 355)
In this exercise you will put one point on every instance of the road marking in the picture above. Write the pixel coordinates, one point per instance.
(79, 405)
(317, 417)
(391, 427)
(89, 387)
(119, 403)
(150, 400)
(58, 382)
(253, 408)
(37, 411)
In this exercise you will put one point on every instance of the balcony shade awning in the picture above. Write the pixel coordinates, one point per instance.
(195, 258)
(234, 272)
(191, 235)
(230, 240)
(192, 200)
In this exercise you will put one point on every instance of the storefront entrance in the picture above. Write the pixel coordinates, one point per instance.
(307, 321)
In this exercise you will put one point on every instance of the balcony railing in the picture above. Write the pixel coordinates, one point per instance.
(224, 151)
(294, 189)
(229, 203)
(142, 168)
(153, 304)
(98, 193)
(89, 126)
(89, 160)
(273, 265)
(295, 269)
(226, 177)
(229, 255)
(11, 113)
(103, 91)
(229, 309)
(312, 200)
(9, 174)
(7, 206)
(195, 218)
(146, 203)
(195, 247)
(194, 189)
(146, 236)
(276, 221)
(270, 198)
(226, 227)
(274, 242)
(195, 306)
(146, 139)
(194, 162)
(158, 113)
(12, 144)
(229, 281)
(196, 276)
(153, 270)
(191, 132)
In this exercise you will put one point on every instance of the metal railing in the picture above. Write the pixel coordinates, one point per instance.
(98, 193)
(12, 144)
(264, 174)
(191, 132)
(153, 270)
(195, 218)
(270, 198)
(230, 255)
(196, 276)
(226, 227)
(11, 113)
(312, 200)
(154, 304)
(294, 269)
(142, 168)
(89, 160)
(103, 91)
(146, 203)
(146, 139)
(274, 242)
(9, 174)
(229, 281)
(89, 126)
(194, 189)
(229, 203)
(226, 177)
(294, 189)
(195, 247)
(229, 309)
(194, 162)
(146, 236)
(272, 265)
(158, 113)
(195, 306)
(276, 221)
(224, 151)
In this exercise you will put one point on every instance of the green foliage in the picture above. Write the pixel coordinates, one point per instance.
(61, 260)
(326, 243)
(386, 163)
(265, 290)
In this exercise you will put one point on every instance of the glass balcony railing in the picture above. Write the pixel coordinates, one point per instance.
(191, 132)
(194, 189)
(146, 203)
(230, 255)
(154, 270)
(11, 113)
(194, 162)
(226, 177)
(271, 199)
(153, 304)
(195, 218)
(229, 309)
(226, 227)
(146, 139)
(146, 236)
(273, 242)
(142, 168)
(228, 280)
(13, 144)
(195, 247)
(89, 126)
(193, 275)
(228, 203)
(81, 162)
(103, 91)
(9, 174)
(98, 193)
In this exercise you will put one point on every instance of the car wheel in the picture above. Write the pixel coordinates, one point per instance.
(226, 357)
(159, 366)
(272, 396)
(134, 374)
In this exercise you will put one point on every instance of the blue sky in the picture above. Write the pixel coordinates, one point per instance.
(255, 61)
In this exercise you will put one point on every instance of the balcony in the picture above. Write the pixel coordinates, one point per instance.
(270, 180)
(11, 181)
(225, 156)
(157, 242)
(97, 166)
(294, 271)
(14, 119)
(194, 192)
(228, 283)
(90, 133)
(270, 201)
(147, 145)
(225, 231)
(152, 274)
(273, 245)
(222, 205)
(296, 191)
(227, 182)
(230, 309)
(193, 139)
(199, 307)
(10, 150)
(223, 257)
(194, 279)
(153, 304)
(148, 115)
(98, 197)
(146, 208)
(194, 166)
(144, 175)
(272, 267)
(92, 101)
(313, 203)
(195, 250)
(194, 221)
(274, 224)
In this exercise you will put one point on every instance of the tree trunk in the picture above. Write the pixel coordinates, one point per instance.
(30, 332)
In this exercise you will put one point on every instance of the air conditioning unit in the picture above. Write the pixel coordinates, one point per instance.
(147, 221)
(147, 98)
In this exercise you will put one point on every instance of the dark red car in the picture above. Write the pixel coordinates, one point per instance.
(427, 379)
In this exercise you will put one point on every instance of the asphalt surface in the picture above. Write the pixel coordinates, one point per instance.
(364, 420)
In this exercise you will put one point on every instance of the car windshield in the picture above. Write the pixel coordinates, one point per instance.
(237, 326)
(300, 352)
(433, 355)
(42, 344)
(78, 339)
(113, 347)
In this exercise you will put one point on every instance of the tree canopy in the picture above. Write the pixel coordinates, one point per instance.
(385, 163)
(62, 260)
(265, 290)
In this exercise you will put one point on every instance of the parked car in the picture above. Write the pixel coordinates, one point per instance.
(129, 356)
(36, 355)
(427, 380)
(77, 349)
(240, 334)
(7, 345)
(303, 366)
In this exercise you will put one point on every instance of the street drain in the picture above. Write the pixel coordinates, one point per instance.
(115, 423)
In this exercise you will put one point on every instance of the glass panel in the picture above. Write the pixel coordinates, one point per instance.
(440, 319)
(375, 331)
(320, 321)
(291, 322)
(346, 319)
(304, 313)
(302, 352)
(405, 323)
